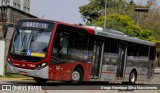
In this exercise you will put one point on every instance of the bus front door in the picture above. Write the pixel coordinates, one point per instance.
(122, 55)
(97, 58)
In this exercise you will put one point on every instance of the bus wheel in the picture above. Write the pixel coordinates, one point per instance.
(40, 80)
(76, 76)
(132, 77)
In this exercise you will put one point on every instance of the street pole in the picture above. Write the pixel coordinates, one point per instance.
(105, 14)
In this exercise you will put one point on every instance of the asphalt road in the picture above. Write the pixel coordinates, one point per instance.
(63, 87)
(156, 80)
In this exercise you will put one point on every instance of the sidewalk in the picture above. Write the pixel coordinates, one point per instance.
(18, 79)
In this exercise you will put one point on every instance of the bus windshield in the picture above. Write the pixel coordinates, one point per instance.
(30, 42)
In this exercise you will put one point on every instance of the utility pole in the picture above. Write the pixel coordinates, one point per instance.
(105, 14)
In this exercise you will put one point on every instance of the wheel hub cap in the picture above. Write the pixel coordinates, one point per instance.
(132, 77)
(75, 75)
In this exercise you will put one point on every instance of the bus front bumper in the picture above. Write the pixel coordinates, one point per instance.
(42, 73)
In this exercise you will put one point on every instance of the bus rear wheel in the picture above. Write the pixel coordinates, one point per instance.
(76, 76)
(40, 80)
(132, 77)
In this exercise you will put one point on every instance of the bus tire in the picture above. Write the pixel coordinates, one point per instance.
(40, 80)
(76, 76)
(132, 77)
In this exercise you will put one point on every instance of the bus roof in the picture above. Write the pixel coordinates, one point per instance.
(121, 36)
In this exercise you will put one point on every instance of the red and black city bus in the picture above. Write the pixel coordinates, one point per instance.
(52, 50)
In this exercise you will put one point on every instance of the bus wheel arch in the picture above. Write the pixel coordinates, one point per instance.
(133, 76)
(77, 74)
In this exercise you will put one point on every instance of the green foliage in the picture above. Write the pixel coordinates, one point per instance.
(96, 8)
(131, 2)
(125, 24)
(158, 44)
(8, 75)
(91, 10)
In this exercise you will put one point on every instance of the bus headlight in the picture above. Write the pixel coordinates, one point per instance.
(9, 61)
(43, 65)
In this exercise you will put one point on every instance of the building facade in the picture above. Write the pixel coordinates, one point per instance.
(23, 5)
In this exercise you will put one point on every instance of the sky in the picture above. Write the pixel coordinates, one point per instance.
(63, 10)
(59, 10)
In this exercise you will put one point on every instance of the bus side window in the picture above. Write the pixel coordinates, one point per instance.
(81, 47)
(113, 46)
(152, 54)
(65, 46)
(55, 46)
(61, 44)
(133, 50)
(91, 55)
(106, 57)
(143, 53)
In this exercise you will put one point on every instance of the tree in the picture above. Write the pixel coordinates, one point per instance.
(96, 8)
(92, 10)
(131, 2)
(125, 24)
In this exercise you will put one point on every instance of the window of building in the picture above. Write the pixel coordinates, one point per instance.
(3, 2)
(18, 6)
(28, 10)
(25, 8)
(8, 2)
(14, 5)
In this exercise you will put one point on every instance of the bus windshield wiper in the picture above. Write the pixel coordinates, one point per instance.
(36, 35)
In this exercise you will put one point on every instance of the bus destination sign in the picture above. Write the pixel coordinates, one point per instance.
(35, 25)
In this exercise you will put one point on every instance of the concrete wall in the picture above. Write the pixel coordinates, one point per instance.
(0, 2)
(26, 4)
(1, 33)
(2, 55)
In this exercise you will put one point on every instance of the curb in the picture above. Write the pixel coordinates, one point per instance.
(19, 79)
